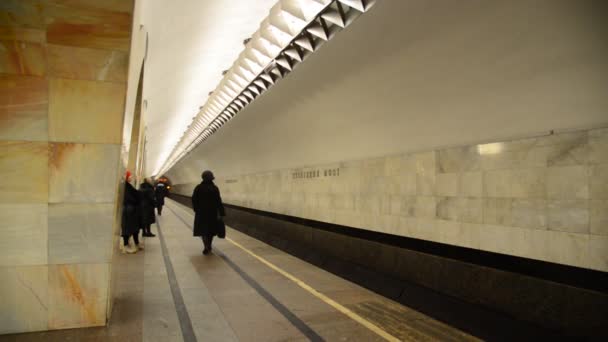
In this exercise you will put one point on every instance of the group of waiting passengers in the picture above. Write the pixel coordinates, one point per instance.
(138, 211)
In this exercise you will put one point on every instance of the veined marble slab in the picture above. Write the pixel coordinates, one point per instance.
(598, 217)
(24, 34)
(22, 58)
(24, 303)
(83, 173)
(87, 64)
(85, 111)
(80, 233)
(70, 23)
(77, 295)
(598, 181)
(109, 5)
(598, 145)
(23, 234)
(598, 252)
(21, 13)
(23, 108)
(24, 169)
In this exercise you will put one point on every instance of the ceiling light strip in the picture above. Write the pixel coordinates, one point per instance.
(293, 30)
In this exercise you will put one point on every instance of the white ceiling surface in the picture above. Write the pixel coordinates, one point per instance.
(190, 43)
(417, 75)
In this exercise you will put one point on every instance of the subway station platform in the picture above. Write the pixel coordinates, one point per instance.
(244, 291)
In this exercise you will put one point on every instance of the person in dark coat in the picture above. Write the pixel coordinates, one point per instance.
(208, 206)
(160, 194)
(130, 216)
(146, 191)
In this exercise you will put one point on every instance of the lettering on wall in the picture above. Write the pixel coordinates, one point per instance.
(228, 181)
(308, 174)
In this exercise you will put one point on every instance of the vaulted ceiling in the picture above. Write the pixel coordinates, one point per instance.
(190, 43)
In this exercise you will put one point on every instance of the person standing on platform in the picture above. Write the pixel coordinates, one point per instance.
(208, 207)
(146, 191)
(130, 217)
(160, 194)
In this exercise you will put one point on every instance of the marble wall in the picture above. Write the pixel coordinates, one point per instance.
(63, 75)
(543, 198)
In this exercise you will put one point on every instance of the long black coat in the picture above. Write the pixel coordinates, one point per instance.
(146, 192)
(207, 205)
(130, 211)
(160, 193)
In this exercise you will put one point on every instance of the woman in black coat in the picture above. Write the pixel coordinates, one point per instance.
(146, 191)
(130, 216)
(207, 205)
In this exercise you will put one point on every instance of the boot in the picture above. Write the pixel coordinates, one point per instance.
(149, 233)
(130, 249)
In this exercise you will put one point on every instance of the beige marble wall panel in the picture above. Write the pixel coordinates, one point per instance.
(426, 207)
(87, 26)
(506, 240)
(598, 252)
(23, 108)
(77, 295)
(458, 159)
(80, 233)
(426, 171)
(568, 215)
(497, 211)
(23, 34)
(598, 217)
(598, 181)
(21, 13)
(24, 169)
(24, 303)
(598, 145)
(462, 209)
(529, 213)
(448, 184)
(567, 182)
(77, 115)
(110, 5)
(512, 155)
(543, 197)
(560, 247)
(23, 234)
(519, 183)
(567, 148)
(87, 64)
(22, 58)
(471, 184)
(83, 173)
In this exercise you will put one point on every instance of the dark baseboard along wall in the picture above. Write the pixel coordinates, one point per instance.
(490, 295)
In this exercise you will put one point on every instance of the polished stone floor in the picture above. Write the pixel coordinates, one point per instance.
(245, 291)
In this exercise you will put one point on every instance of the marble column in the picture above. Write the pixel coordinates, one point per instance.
(63, 73)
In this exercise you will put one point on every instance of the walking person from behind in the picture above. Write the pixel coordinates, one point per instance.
(146, 191)
(208, 208)
(130, 217)
(160, 194)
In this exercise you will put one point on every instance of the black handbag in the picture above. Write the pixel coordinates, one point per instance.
(221, 228)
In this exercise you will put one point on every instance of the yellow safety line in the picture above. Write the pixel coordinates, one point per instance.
(321, 296)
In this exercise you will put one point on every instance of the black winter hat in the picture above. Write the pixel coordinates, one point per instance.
(208, 175)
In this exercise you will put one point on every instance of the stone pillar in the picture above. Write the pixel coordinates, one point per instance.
(63, 74)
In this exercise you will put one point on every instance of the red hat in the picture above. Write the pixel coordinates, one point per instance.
(128, 174)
